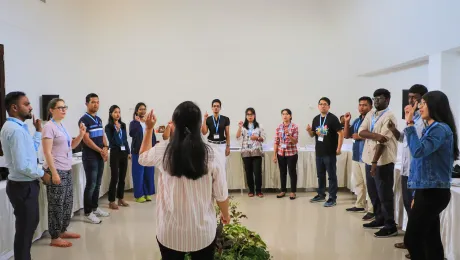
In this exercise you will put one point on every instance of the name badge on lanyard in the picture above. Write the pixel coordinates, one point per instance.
(64, 131)
(356, 127)
(120, 134)
(284, 145)
(216, 126)
(375, 120)
(321, 128)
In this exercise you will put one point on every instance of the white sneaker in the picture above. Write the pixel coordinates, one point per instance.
(91, 218)
(100, 213)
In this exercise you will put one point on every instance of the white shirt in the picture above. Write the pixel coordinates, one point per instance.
(186, 216)
(406, 156)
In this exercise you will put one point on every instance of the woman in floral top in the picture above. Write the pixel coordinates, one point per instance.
(252, 136)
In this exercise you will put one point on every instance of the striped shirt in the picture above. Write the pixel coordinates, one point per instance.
(186, 216)
(96, 133)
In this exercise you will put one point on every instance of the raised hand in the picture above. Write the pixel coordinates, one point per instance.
(309, 128)
(240, 124)
(409, 111)
(151, 120)
(347, 117)
(137, 118)
(206, 115)
(37, 123)
(118, 126)
(82, 129)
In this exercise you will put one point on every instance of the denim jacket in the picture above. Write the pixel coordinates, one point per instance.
(432, 157)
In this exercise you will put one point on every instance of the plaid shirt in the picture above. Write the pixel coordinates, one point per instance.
(291, 149)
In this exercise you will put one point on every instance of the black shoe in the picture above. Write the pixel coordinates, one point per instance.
(373, 225)
(369, 217)
(386, 232)
(356, 210)
(318, 198)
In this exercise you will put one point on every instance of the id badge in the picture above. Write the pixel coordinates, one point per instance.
(216, 137)
(249, 146)
(284, 146)
(320, 138)
(123, 148)
(354, 141)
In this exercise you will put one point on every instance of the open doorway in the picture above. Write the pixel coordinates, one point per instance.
(2, 91)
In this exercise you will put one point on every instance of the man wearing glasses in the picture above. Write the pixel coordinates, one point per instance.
(218, 127)
(328, 134)
(416, 93)
(379, 155)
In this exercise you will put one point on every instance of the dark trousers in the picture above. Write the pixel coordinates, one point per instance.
(380, 189)
(329, 164)
(93, 171)
(253, 168)
(406, 193)
(423, 235)
(24, 199)
(60, 204)
(118, 168)
(285, 163)
(206, 253)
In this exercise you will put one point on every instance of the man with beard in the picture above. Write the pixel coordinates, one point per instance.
(20, 153)
(416, 93)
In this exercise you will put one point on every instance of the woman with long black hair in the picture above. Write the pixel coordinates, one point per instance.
(119, 153)
(143, 177)
(252, 135)
(430, 174)
(192, 176)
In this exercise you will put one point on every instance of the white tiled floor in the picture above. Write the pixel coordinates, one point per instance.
(293, 230)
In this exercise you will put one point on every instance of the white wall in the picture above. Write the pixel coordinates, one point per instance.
(269, 55)
(43, 49)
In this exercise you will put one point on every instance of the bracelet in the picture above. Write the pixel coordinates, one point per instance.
(228, 145)
(374, 162)
(410, 122)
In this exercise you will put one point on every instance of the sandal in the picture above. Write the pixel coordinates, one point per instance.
(69, 235)
(122, 203)
(60, 243)
(292, 196)
(112, 205)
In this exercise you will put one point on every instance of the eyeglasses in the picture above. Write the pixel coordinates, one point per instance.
(64, 108)
(421, 104)
(377, 99)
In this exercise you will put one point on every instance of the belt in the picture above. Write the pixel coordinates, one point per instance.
(217, 142)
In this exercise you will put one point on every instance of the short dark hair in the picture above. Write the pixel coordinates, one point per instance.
(418, 89)
(89, 96)
(216, 101)
(12, 98)
(366, 98)
(328, 101)
(384, 92)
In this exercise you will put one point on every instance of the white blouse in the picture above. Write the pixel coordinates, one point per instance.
(186, 216)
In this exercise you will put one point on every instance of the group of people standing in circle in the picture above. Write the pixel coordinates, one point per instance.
(430, 147)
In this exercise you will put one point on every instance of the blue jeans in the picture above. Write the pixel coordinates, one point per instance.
(93, 171)
(143, 178)
(329, 164)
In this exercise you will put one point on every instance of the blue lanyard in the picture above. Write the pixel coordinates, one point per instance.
(427, 130)
(63, 130)
(250, 130)
(216, 125)
(358, 124)
(375, 120)
(284, 133)
(120, 134)
(417, 117)
(321, 123)
(92, 118)
(24, 126)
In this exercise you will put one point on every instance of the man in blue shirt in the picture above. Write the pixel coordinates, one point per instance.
(20, 152)
(359, 167)
(95, 154)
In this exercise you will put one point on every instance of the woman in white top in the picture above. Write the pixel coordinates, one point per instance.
(252, 135)
(192, 175)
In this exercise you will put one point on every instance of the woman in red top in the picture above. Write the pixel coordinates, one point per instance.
(286, 139)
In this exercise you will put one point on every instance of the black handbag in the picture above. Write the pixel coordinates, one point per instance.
(456, 171)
